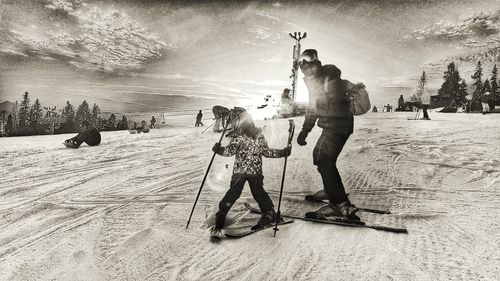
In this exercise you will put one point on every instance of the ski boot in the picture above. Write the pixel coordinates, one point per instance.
(317, 197)
(344, 211)
(266, 219)
(216, 231)
(216, 234)
(70, 144)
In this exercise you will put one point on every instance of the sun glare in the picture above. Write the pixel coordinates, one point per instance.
(302, 94)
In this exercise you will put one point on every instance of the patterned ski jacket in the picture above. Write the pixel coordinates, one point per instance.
(249, 152)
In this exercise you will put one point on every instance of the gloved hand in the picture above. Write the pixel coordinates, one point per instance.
(301, 138)
(286, 151)
(217, 147)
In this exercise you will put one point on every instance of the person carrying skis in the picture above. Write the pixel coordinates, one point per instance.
(248, 145)
(198, 119)
(485, 102)
(426, 101)
(330, 106)
(88, 134)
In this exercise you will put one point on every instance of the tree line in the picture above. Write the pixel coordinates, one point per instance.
(454, 93)
(26, 119)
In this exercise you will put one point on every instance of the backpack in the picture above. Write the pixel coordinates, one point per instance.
(337, 92)
(360, 101)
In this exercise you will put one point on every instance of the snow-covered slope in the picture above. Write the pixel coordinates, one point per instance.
(118, 211)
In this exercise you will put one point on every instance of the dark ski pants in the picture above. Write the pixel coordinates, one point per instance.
(86, 137)
(237, 183)
(424, 107)
(325, 154)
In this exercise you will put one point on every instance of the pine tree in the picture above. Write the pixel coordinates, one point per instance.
(3, 116)
(123, 124)
(454, 86)
(9, 127)
(24, 111)
(486, 86)
(36, 114)
(82, 113)
(420, 88)
(95, 114)
(111, 122)
(68, 115)
(477, 83)
(15, 115)
(462, 92)
(495, 91)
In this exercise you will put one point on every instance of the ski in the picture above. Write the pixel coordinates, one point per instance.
(362, 209)
(238, 232)
(338, 222)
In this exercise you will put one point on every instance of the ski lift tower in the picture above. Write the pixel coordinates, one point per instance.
(53, 119)
(295, 67)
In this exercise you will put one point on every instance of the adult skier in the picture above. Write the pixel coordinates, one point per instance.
(401, 103)
(485, 100)
(330, 106)
(153, 123)
(248, 144)
(198, 119)
(426, 101)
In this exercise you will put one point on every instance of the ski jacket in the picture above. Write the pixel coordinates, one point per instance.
(249, 152)
(331, 109)
(426, 97)
(328, 101)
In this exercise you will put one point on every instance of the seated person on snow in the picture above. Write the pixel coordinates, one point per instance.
(143, 128)
(248, 144)
(88, 134)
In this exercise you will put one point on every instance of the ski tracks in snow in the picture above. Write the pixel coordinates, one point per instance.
(118, 211)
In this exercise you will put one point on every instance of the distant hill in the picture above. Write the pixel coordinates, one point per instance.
(6, 105)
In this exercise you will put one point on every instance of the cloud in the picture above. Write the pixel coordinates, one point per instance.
(88, 37)
(476, 26)
(12, 52)
(478, 36)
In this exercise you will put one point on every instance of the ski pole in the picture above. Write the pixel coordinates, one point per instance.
(205, 177)
(208, 169)
(207, 127)
(416, 114)
(291, 130)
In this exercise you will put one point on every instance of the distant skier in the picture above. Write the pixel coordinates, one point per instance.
(485, 102)
(220, 114)
(153, 123)
(88, 134)
(198, 119)
(426, 101)
(248, 145)
(401, 103)
(331, 108)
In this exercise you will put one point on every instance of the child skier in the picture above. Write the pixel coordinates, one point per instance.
(249, 145)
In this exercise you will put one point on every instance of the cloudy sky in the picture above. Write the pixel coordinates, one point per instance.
(165, 55)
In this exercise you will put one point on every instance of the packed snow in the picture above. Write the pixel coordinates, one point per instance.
(119, 211)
